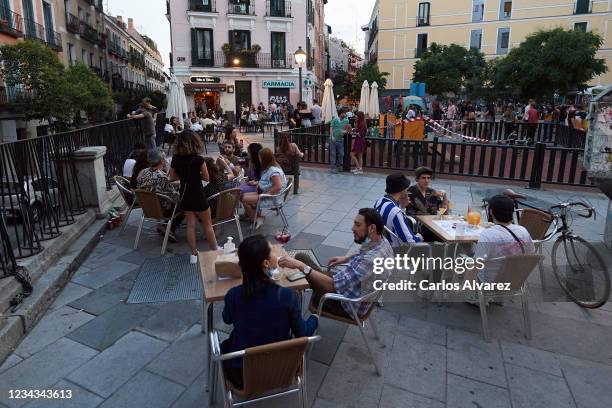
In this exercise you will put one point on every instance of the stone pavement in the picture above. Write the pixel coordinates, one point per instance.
(113, 354)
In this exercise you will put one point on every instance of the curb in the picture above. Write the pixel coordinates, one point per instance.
(50, 272)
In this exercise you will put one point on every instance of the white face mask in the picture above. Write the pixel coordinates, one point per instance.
(273, 273)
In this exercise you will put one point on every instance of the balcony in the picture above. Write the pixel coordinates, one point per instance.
(237, 59)
(102, 40)
(278, 8)
(11, 95)
(116, 50)
(73, 25)
(89, 33)
(204, 6)
(583, 7)
(422, 21)
(53, 39)
(10, 23)
(245, 8)
(137, 60)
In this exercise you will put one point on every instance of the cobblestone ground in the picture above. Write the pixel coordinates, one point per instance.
(113, 354)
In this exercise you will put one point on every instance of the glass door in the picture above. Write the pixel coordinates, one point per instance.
(28, 18)
(48, 16)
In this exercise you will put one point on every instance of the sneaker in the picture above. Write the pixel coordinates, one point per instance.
(355, 170)
(358, 171)
(193, 259)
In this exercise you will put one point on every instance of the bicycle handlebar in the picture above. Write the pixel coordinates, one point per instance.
(590, 210)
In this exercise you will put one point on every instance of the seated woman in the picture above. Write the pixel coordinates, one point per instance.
(128, 165)
(260, 311)
(217, 182)
(254, 170)
(272, 181)
(142, 162)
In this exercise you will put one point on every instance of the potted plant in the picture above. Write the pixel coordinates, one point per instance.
(255, 48)
(226, 48)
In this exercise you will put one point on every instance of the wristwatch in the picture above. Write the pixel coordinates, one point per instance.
(307, 270)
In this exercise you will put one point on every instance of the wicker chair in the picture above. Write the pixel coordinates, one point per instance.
(123, 185)
(269, 371)
(152, 211)
(537, 223)
(228, 202)
(515, 270)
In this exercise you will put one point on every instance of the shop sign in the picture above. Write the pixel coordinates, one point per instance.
(204, 80)
(197, 88)
(266, 83)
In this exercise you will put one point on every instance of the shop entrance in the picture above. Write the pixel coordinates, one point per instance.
(243, 96)
(210, 99)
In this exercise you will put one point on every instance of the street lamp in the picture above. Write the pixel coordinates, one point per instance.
(300, 59)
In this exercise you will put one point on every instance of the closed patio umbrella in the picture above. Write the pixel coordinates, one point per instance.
(364, 101)
(328, 106)
(177, 102)
(373, 108)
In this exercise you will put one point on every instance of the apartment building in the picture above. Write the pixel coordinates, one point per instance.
(399, 31)
(234, 52)
(84, 38)
(117, 46)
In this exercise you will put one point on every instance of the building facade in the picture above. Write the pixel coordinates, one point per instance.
(338, 55)
(399, 31)
(117, 48)
(153, 64)
(84, 35)
(236, 52)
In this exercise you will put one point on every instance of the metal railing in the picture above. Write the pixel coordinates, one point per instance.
(537, 164)
(73, 24)
(53, 39)
(238, 59)
(11, 23)
(33, 30)
(39, 187)
(89, 33)
(278, 8)
(422, 21)
(206, 6)
(234, 7)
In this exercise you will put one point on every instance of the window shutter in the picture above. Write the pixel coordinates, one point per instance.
(194, 46)
(231, 38)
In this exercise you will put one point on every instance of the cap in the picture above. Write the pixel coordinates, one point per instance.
(396, 183)
(423, 170)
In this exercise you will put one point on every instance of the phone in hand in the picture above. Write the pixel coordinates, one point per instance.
(295, 276)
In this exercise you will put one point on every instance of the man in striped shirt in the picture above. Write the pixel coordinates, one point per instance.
(391, 208)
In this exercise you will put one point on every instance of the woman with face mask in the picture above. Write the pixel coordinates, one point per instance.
(260, 311)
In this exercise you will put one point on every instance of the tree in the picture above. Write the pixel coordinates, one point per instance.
(88, 92)
(542, 66)
(371, 73)
(451, 68)
(343, 87)
(130, 99)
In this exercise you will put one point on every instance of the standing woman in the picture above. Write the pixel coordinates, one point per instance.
(359, 145)
(189, 167)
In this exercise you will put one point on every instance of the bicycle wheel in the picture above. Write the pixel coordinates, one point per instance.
(580, 271)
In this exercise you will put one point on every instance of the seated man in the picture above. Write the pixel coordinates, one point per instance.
(425, 200)
(391, 209)
(354, 280)
(195, 125)
(154, 179)
(227, 159)
(208, 120)
(503, 239)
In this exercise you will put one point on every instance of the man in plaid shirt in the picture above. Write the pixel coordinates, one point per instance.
(355, 279)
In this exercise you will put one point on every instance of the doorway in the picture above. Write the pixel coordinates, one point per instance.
(243, 96)
(212, 99)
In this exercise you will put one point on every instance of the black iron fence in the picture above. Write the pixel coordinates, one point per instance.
(537, 164)
(39, 187)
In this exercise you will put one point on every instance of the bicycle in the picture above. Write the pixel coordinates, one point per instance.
(577, 266)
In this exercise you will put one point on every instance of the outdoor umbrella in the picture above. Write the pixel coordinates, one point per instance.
(177, 103)
(328, 105)
(373, 108)
(364, 101)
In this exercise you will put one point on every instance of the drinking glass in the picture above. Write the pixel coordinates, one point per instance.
(442, 210)
(473, 215)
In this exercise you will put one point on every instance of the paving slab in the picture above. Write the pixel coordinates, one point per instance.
(356, 388)
(195, 395)
(184, 359)
(104, 253)
(112, 368)
(339, 239)
(589, 382)
(422, 330)
(99, 276)
(324, 253)
(10, 361)
(463, 392)
(71, 292)
(393, 397)
(44, 369)
(331, 333)
(304, 240)
(145, 390)
(386, 323)
(320, 227)
(52, 327)
(107, 328)
(100, 300)
(536, 389)
(172, 319)
(80, 398)
(529, 357)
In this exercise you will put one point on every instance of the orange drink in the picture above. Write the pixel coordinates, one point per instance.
(473, 218)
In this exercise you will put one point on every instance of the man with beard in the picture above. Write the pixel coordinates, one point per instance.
(353, 280)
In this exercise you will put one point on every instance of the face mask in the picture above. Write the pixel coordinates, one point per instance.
(273, 273)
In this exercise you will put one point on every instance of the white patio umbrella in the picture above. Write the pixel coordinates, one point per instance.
(373, 108)
(177, 103)
(328, 105)
(364, 100)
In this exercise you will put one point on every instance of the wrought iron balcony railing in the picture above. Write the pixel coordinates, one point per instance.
(73, 24)
(241, 7)
(11, 23)
(237, 59)
(89, 33)
(205, 6)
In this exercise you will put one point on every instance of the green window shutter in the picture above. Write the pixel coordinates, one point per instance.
(194, 46)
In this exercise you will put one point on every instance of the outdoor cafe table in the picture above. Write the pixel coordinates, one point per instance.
(215, 289)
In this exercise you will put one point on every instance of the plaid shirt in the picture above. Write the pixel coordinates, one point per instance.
(357, 278)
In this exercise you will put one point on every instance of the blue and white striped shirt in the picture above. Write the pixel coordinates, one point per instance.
(396, 220)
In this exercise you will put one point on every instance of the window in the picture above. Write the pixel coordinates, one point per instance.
(278, 50)
(28, 16)
(582, 7)
(477, 10)
(503, 40)
(581, 26)
(476, 39)
(201, 47)
(421, 45)
(84, 56)
(505, 11)
(48, 16)
(240, 39)
(423, 17)
(71, 54)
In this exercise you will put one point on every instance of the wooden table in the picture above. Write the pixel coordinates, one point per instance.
(215, 289)
(439, 227)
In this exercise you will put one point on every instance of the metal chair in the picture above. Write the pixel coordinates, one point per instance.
(275, 206)
(228, 202)
(515, 270)
(123, 185)
(152, 210)
(269, 371)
